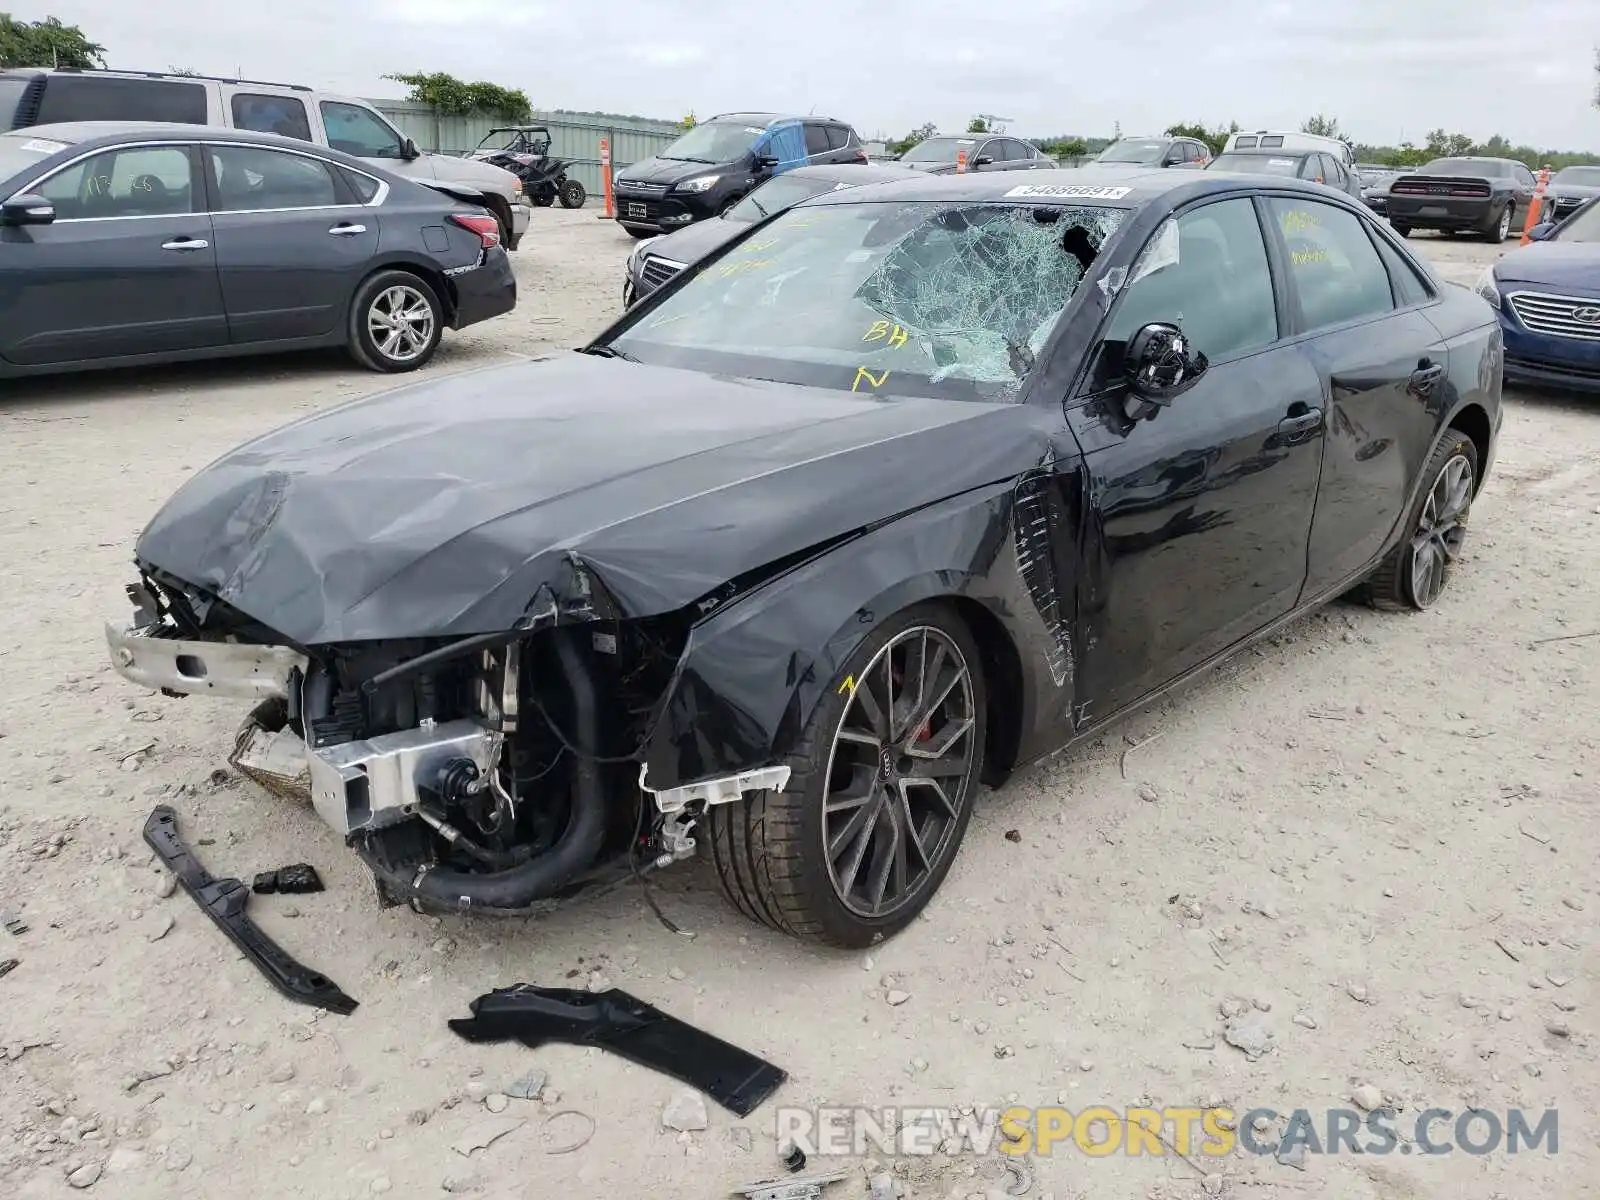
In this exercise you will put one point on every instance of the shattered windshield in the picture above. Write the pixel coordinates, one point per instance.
(1135, 150)
(939, 149)
(930, 299)
(713, 142)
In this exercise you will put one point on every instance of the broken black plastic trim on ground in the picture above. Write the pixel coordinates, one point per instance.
(224, 900)
(625, 1025)
(294, 880)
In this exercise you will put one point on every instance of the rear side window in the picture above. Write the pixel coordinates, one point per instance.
(104, 98)
(1332, 262)
(1245, 143)
(358, 131)
(283, 115)
(364, 186)
(838, 137)
(816, 139)
(1408, 286)
(1272, 142)
(255, 179)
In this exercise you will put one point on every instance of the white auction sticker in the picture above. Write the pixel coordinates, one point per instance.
(43, 146)
(1087, 191)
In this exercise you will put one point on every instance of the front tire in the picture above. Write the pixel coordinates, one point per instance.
(1415, 573)
(880, 791)
(396, 321)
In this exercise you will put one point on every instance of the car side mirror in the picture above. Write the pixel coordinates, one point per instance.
(983, 160)
(27, 209)
(409, 151)
(1541, 231)
(766, 162)
(1160, 364)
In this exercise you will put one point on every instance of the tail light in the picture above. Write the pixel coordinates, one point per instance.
(487, 228)
(861, 154)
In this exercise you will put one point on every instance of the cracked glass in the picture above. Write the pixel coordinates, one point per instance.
(917, 298)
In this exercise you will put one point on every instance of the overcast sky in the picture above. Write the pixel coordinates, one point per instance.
(1386, 68)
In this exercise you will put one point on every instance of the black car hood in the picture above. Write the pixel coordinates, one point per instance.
(1579, 191)
(664, 170)
(931, 166)
(446, 507)
(694, 242)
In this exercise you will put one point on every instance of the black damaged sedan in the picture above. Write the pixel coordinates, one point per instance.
(895, 493)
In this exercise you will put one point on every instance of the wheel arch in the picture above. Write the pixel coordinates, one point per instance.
(428, 272)
(751, 675)
(1472, 420)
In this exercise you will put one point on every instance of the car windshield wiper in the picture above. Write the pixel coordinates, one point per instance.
(684, 158)
(607, 352)
(756, 204)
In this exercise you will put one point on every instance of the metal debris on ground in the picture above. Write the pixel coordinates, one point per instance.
(14, 923)
(809, 1188)
(577, 1138)
(8, 965)
(794, 1160)
(613, 1020)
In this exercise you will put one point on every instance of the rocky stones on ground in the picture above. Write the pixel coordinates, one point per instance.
(482, 1134)
(1249, 1035)
(1367, 1097)
(685, 1112)
(85, 1176)
(496, 1102)
(528, 1086)
(896, 997)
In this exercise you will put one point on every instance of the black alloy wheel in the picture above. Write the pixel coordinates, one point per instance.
(1416, 571)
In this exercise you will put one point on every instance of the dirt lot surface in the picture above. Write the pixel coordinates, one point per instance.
(1370, 840)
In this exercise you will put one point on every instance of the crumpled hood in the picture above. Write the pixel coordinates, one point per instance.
(1571, 265)
(442, 508)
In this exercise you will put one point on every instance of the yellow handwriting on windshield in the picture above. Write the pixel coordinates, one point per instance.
(875, 382)
(882, 331)
(758, 247)
(728, 270)
(1301, 257)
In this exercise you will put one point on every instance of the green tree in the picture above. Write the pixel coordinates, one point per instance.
(1322, 126)
(183, 71)
(1216, 138)
(46, 43)
(921, 133)
(977, 125)
(453, 97)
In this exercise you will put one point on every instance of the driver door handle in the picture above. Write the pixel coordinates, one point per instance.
(1301, 422)
(185, 243)
(1426, 375)
(347, 230)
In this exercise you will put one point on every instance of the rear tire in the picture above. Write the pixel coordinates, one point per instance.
(1416, 571)
(1500, 229)
(395, 322)
(1402, 229)
(572, 194)
(880, 791)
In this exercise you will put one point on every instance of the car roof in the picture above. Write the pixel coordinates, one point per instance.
(765, 118)
(91, 134)
(1286, 152)
(1144, 185)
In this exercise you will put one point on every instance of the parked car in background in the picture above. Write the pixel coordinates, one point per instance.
(1314, 166)
(1374, 173)
(1485, 196)
(1570, 189)
(32, 96)
(126, 244)
(1375, 195)
(1548, 296)
(1270, 139)
(658, 260)
(902, 490)
(984, 151)
(720, 161)
(1154, 152)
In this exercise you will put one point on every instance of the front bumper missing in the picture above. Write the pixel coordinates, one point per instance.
(224, 900)
(202, 668)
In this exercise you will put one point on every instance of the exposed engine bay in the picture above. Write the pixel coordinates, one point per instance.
(497, 773)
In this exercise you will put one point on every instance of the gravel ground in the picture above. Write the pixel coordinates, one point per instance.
(1368, 833)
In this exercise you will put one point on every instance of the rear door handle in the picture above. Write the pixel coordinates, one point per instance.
(346, 230)
(1300, 423)
(185, 244)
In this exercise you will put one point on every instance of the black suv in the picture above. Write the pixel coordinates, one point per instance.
(717, 163)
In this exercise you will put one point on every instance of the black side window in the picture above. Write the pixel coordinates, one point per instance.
(1311, 167)
(96, 98)
(364, 186)
(838, 137)
(1207, 272)
(283, 115)
(358, 131)
(1332, 263)
(1408, 286)
(252, 179)
(1525, 177)
(816, 139)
